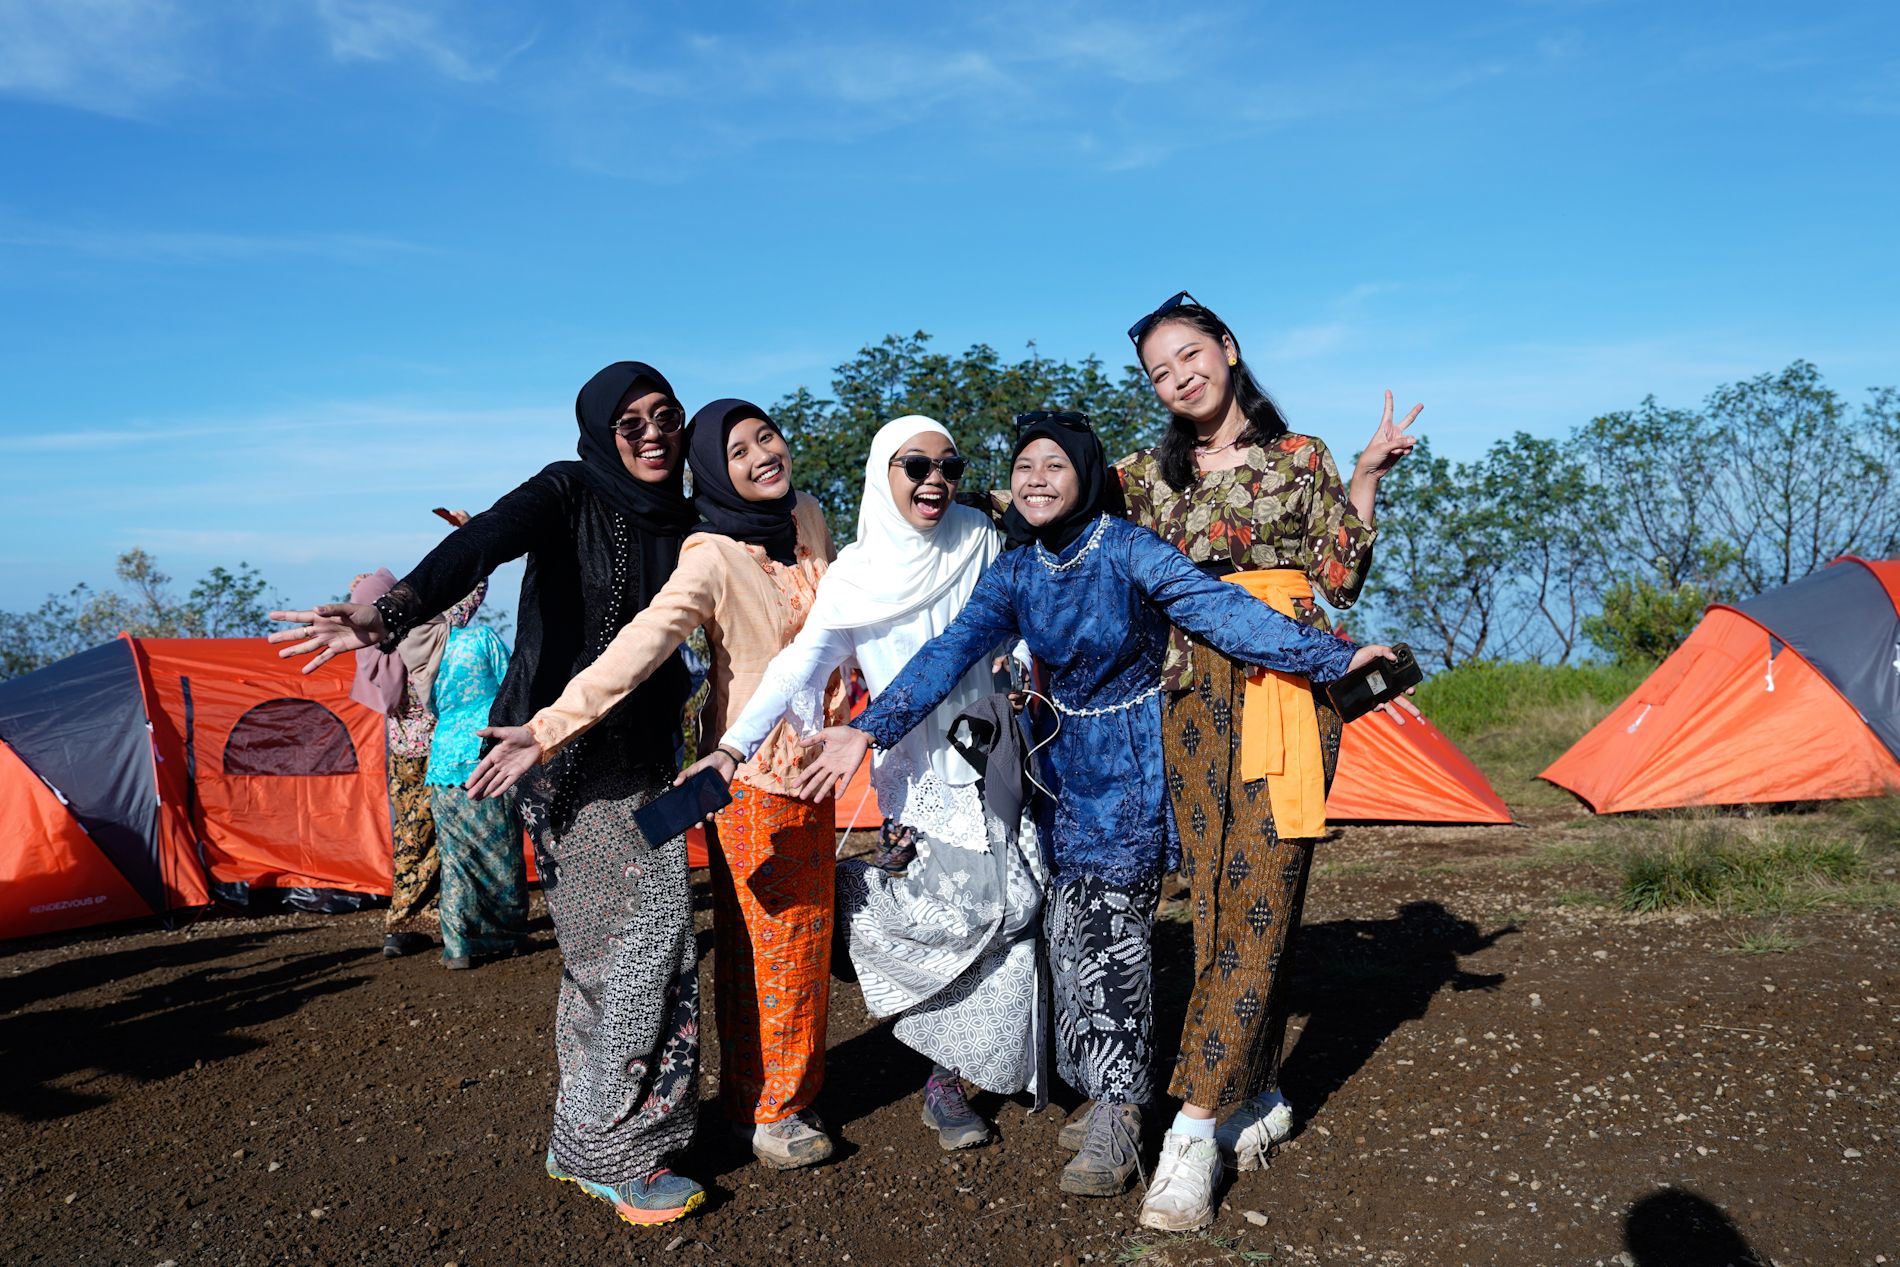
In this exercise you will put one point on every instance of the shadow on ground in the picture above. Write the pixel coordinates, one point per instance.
(1673, 1227)
(55, 1056)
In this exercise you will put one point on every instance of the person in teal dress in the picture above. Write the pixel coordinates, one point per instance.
(484, 902)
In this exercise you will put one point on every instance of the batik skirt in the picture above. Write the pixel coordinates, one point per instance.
(415, 881)
(1101, 964)
(626, 1026)
(949, 946)
(1249, 886)
(772, 882)
(484, 880)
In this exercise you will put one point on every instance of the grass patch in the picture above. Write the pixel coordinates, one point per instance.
(1773, 940)
(1774, 863)
(1514, 719)
(1477, 699)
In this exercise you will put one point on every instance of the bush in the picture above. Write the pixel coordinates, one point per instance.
(1641, 623)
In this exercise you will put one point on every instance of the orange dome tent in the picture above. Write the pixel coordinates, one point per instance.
(1411, 773)
(1792, 695)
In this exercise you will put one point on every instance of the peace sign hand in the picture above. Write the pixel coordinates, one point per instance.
(1389, 443)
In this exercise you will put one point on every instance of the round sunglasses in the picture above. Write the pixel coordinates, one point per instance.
(667, 420)
(918, 467)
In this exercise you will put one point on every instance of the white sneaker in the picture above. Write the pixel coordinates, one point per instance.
(1181, 1195)
(791, 1142)
(1250, 1132)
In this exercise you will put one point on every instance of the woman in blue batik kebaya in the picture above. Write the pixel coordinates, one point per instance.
(1093, 596)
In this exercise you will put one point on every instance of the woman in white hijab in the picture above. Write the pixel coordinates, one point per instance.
(949, 947)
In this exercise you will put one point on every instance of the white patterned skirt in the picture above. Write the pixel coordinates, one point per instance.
(951, 946)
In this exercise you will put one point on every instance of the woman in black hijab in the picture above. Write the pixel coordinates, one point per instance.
(602, 535)
(747, 574)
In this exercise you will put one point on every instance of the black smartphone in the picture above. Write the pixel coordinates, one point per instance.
(1371, 685)
(670, 814)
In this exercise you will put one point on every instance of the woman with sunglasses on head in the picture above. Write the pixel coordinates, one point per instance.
(1263, 508)
(1092, 596)
(601, 536)
(948, 947)
(747, 574)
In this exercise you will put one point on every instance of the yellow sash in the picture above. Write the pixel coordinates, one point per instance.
(1279, 725)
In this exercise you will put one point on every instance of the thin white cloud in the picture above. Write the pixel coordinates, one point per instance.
(387, 31)
(106, 56)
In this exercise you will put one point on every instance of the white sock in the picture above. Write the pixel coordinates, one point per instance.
(1198, 1127)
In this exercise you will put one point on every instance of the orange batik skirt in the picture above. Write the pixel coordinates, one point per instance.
(772, 872)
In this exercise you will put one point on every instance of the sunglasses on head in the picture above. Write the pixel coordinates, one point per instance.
(1053, 418)
(918, 467)
(1180, 299)
(666, 418)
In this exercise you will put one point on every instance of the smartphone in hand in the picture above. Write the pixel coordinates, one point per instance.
(669, 815)
(1371, 685)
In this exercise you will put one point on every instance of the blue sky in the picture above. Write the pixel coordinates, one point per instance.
(275, 278)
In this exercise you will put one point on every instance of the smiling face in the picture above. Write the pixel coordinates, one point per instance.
(1189, 371)
(758, 461)
(1043, 485)
(647, 450)
(922, 505)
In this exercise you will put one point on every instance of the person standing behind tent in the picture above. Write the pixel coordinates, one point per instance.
(602, 535)
(1252, 503)
(484, 906)
(1092, 595)
(747, 575)
(400, 686)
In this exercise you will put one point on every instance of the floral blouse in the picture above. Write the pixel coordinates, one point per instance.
(1284, 506)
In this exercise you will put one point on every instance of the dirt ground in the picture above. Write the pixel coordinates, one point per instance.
(1488, 1074)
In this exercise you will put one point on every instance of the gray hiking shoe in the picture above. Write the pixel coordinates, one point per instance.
(947, 1112)
(1110, 1152)
(1076, 1128)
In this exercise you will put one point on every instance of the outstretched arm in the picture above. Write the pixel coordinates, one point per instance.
(505, 531)
(987, 618)
(1231, 620)
(684, 603)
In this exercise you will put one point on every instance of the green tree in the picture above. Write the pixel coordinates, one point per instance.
(1444, 552)
(1641, 623)
(975, 394)
(224, 604)
(1812, 481)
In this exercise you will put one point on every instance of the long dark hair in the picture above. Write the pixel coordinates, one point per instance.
(1264, 419)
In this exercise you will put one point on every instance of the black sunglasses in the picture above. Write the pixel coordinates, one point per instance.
(666, 418)
(918, 467)
(1054, 418)
(1181, 299)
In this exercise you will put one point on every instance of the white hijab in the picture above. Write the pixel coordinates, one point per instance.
(894, 569)
(897, 587)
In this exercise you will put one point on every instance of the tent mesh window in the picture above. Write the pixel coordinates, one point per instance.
(289, 736)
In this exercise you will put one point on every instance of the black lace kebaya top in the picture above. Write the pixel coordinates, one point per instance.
(590, 569)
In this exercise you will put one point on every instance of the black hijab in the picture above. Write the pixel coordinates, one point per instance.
(658, 510)
(721, 509)
(1091, 472)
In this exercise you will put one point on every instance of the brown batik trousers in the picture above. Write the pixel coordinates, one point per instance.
(416, 881)
(1248, 885)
